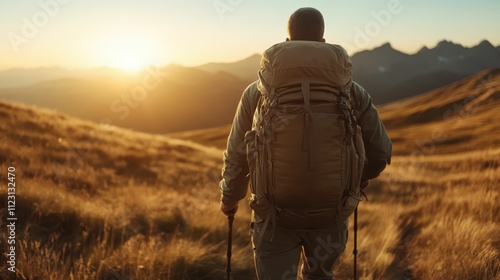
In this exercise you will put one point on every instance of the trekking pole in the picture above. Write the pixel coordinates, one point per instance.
(230, 219)
(355, 250)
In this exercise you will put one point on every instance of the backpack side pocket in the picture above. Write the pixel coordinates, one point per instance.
(352, 196)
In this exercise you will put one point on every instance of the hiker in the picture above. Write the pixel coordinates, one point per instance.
(308, 139)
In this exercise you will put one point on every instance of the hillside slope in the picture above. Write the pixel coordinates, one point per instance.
(44, 141)
(211, 137)
(459, 117)
(95, 202)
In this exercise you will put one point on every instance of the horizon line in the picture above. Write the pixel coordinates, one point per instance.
(174, 63)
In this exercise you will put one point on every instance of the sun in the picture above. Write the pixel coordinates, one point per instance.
(131, 60)
(129, 51)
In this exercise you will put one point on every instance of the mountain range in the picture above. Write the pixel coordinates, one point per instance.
(190, 98)
(390, 75)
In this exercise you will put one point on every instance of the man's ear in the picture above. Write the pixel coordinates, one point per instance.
(323, 40)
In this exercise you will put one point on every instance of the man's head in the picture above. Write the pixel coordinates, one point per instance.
(306, 24)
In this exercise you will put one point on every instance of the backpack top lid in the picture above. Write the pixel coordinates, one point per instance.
(293, 62)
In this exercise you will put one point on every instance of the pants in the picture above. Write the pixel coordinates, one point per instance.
(278, 258)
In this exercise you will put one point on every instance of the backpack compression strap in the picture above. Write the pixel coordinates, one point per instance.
(346, 109)
(306, 140)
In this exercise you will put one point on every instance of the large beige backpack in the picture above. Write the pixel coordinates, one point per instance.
(305, 150)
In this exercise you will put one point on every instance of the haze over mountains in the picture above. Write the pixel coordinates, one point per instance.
(18, 77)
(176, 98)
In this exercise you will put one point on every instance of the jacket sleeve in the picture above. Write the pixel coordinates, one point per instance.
(378, 146)
(234, 183)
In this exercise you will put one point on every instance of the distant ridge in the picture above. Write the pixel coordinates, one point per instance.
(245, 69)
(390, 75)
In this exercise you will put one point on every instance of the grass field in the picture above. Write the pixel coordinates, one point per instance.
(99, 202)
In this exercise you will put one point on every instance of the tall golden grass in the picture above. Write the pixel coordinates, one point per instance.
(434, 217)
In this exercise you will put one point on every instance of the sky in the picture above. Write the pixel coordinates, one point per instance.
(131, 34)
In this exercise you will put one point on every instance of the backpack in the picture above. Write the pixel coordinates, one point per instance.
(305, 150)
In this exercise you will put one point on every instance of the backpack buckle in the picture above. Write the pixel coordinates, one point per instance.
(344, 104)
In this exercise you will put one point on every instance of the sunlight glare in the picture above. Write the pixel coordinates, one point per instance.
(129, 51)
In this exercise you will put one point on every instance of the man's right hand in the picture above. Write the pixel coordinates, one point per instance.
(228, 209)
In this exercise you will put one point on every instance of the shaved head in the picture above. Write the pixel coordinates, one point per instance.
(306, 24)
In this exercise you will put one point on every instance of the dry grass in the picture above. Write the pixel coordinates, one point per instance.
(456, 230)
(101, 202)
(105, 203)
(437, 221)
(210, 137)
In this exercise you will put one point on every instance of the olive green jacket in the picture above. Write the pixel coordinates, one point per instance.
(234, 183)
